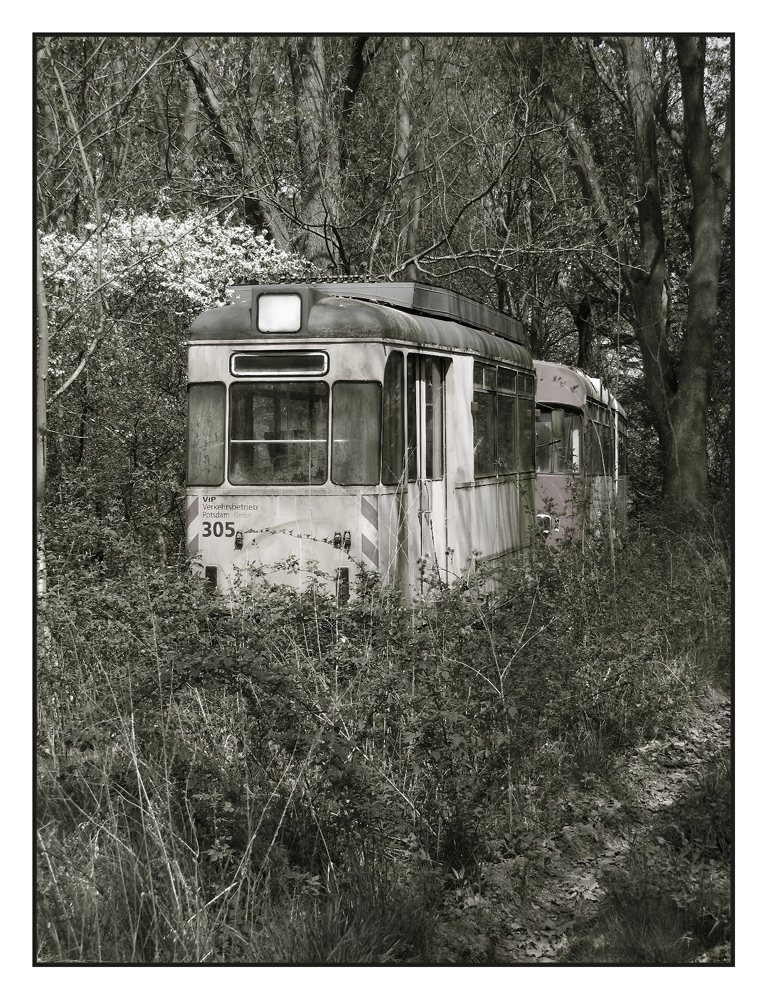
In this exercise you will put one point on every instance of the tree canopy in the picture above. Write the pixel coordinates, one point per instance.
(580, 184)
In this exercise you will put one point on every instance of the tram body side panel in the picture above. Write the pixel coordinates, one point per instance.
(562, 498)
(621, 504)
(602, 506)
(576, 502)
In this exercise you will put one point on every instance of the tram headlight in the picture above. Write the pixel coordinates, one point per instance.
(279, 312)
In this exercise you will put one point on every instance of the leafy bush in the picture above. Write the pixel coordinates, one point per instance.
(210, 767)
(115, 436)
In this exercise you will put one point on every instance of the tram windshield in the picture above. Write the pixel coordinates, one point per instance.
(278, 433)
(558, 451)
(356, 433)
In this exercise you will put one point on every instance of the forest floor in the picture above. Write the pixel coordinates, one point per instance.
(531, 917)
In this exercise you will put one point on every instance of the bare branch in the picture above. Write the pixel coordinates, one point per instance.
(606, 76)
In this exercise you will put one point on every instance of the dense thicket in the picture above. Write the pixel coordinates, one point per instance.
(116, 434)
(275, 778)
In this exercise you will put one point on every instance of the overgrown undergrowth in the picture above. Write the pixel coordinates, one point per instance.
(273, 778)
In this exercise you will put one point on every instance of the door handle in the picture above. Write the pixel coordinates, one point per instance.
(426, 508)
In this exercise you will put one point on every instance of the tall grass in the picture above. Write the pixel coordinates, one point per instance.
(270, 777)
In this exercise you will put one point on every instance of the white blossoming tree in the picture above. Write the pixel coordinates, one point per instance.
(114, 314)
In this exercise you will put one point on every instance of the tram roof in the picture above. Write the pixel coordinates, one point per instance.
(429, 300)
(398, 311)
(556, 383)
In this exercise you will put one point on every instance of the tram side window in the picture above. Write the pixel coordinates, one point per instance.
(412, 426)
(483, 422)
(599, 443)
(571, 452)
(434, 389)
(507, 421)
(606, 442)
(561, 454)
(620, 430)
(544, 442)
(525, 424)
(278, 433)
(393, 422)
(356, 423)
(593, 458)
(205, 437)
(622, 451)
(503, 421)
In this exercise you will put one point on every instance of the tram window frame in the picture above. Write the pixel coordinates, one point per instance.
(393, 460)
(206, 433)
(499, 444)
(434, 417)
(411, 424)
(296, 364)
(506, 425)
(526, 435)
(544, 442)
(620, 430)
(559, 457)
(623, 442)
(599, 454)
(593, 457)
(430, 372)
(363, 434)
(484, 420)
(607, 446)
(275, 448)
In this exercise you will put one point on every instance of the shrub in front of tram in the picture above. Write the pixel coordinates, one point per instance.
(287, 733)
(116, 440)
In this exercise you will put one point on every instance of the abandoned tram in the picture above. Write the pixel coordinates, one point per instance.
(387, 428)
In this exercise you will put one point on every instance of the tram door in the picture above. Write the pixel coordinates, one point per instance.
(426, 462)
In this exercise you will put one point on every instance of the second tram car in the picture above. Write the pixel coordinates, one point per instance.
(335, 426)
(581, 454)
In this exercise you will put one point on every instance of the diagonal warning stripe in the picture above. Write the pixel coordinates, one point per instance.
(369, 509)
(193, 524)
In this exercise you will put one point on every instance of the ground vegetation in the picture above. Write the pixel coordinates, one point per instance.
(534, 771)
(530, 774)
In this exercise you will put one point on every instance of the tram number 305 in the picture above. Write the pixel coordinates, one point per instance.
(218, 528)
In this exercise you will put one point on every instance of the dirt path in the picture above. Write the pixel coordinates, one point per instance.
(516, 918)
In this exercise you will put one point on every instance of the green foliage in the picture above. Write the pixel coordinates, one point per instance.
(210, 767)
(116, 436)
(457, 149)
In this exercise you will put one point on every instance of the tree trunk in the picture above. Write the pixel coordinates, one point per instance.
(710, 184)
(41, 417)
(319, 158)
(582, 317)
(683, 448)
(678, 396)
